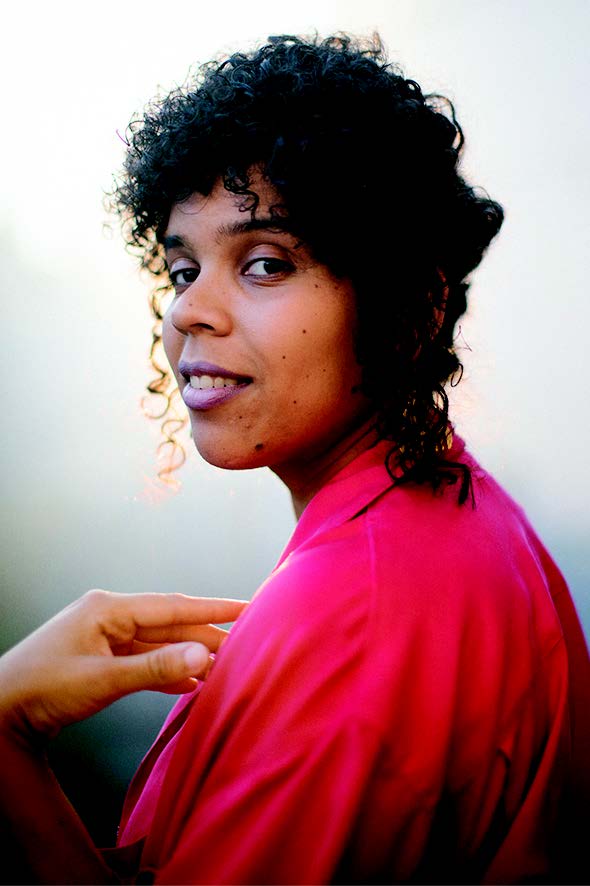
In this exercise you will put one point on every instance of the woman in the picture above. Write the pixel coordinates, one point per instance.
(405, 698)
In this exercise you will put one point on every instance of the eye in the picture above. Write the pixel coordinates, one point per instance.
(182, 277)
(267, 267)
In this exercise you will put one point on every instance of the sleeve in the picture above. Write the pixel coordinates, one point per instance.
(267, 778)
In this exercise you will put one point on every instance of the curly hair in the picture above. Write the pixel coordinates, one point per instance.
(365, 168)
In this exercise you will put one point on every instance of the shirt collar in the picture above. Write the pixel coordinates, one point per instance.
(349, 492)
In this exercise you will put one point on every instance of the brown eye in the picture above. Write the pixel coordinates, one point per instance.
(267, 267)
(183, 277)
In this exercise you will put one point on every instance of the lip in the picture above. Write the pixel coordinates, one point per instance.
(202, 368)
(198, 399)
(207, 398)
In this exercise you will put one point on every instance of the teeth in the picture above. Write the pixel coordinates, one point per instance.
(204, 382)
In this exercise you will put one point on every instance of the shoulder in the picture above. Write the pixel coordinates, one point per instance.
(316, 605)
(422, 557)
(469, 555)
(412, 591)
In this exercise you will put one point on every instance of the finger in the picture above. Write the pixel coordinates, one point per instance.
(192, 682)
(149, 639)
(184, 686)
(165, 666)
(210, 635)
(155, 610)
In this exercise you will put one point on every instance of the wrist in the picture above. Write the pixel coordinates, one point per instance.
(16, 730)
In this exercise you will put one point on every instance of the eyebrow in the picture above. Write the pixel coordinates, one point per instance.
(234, 229)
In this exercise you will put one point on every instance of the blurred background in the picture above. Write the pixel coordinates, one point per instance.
(82, 504)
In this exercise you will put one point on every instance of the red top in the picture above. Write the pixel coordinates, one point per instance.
(393, 705)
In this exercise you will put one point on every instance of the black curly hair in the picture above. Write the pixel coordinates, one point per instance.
(365, 167)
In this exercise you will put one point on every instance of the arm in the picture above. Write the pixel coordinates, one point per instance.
(38, 818)
(269, 773)
(98, 649)
(361, 726)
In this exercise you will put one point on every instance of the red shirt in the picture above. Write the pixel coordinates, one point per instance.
(394, 704)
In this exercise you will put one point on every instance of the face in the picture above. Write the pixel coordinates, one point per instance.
(259, 336)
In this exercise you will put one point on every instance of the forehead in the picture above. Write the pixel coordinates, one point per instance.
(221, 207)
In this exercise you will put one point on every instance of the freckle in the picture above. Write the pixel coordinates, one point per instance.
(316, 285)
(259, 446)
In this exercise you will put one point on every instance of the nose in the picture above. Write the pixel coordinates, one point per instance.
(202, 308)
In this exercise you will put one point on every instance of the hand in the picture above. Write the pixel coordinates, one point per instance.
(104, 646)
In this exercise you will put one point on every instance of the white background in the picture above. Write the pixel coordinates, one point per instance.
(81, 505)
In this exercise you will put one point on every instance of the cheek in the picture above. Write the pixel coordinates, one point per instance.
(328, 343)
(319, 371)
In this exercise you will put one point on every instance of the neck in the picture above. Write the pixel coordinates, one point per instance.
(303, 481)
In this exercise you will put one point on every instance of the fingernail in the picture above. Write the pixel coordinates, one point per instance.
(196, 657)
(210, 663)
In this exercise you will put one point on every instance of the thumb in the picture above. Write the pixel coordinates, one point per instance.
(161, 667)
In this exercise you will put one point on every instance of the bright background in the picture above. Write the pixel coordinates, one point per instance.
(81, 506)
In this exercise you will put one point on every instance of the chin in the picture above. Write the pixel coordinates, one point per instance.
(221, 457)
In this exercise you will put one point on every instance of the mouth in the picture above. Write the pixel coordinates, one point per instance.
(209, 385)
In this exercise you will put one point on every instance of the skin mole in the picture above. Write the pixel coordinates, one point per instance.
(259, 446)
